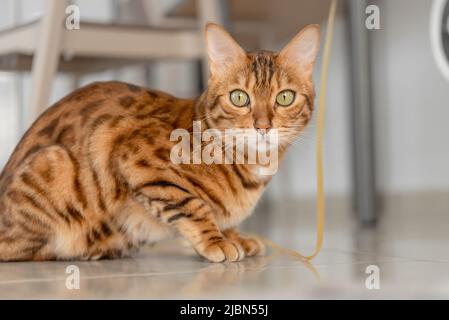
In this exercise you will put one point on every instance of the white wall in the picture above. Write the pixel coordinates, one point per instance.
(412, 101)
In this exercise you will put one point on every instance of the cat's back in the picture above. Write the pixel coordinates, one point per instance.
(71, 120)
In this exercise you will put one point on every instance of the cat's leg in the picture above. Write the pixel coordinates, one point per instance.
(191, 216)
(42, 214)
(251, 245)
(22, 238)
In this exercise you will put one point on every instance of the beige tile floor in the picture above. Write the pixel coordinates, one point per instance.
(410, 246)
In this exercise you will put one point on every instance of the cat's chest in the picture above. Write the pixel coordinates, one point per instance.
(239, 207)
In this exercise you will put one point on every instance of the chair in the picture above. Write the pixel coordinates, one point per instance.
(46, 46)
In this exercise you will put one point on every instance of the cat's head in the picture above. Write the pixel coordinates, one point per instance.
(261, 90)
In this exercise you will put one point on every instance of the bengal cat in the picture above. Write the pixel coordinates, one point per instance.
(92, 178)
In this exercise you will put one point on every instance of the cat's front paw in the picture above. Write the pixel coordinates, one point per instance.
(223, 250)
(252, 246)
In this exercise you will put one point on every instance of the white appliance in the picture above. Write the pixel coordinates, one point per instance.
(439, 35)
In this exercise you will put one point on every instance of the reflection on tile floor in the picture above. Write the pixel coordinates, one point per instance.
(410, 248)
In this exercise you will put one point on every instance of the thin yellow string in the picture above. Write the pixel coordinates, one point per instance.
(320, 201)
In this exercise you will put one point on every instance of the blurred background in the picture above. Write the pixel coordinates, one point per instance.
(386, 140)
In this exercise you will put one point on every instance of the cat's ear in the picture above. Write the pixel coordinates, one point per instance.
(222, 49)
(302, 50)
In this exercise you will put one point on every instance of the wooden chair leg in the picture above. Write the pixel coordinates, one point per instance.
(46, 57)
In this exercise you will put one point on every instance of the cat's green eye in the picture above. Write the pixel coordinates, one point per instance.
(285, 98)
(239, 98)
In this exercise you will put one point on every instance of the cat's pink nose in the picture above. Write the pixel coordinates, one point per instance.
(262, 127)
